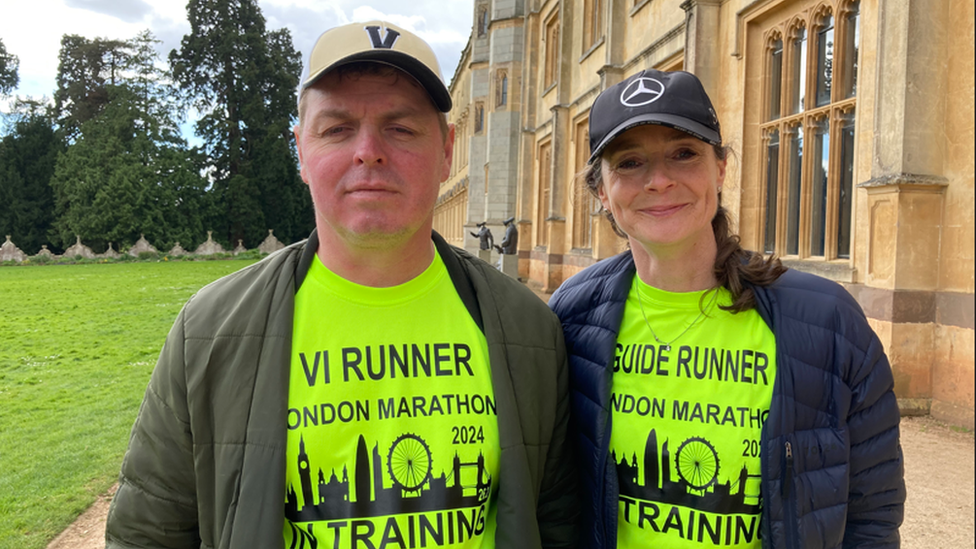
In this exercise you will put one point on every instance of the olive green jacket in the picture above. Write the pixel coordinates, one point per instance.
(205, 466)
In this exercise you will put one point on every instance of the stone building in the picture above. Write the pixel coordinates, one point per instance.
(878, 94)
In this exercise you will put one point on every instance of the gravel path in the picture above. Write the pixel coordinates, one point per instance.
(939, 471)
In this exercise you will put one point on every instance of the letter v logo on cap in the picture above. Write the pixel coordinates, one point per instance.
(385, 43)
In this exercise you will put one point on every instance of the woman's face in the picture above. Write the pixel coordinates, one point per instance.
(661, 185)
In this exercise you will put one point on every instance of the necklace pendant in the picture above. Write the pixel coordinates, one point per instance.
(667, 348)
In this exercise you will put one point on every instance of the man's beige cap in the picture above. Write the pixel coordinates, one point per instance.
(380, 42)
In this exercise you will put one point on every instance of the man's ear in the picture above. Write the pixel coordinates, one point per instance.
(448, 153)
(298, 146)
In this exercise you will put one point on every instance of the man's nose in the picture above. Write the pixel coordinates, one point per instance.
(369, 147)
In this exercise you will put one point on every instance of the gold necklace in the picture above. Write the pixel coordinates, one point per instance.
(667, 344)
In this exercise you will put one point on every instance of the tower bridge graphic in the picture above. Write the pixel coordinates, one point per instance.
(400, 482)
(696, 481)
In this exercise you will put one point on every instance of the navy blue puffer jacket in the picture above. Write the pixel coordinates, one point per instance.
(832, 470)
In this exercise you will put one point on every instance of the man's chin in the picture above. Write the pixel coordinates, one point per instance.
(379, 238)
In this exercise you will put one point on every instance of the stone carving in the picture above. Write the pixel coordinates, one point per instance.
(142, 245)
(240, 247)
(46, 252)
(177, 250)
(110, 253)
(10, 252)
(79, 249)
(270, 244)
(209, 247)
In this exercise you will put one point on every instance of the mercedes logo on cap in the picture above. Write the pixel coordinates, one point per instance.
(642, 91)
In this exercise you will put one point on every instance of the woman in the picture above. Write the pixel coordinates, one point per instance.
(719, 399)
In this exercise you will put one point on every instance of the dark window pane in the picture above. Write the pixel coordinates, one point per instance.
(772, 184)
(825, 61)
(776, 80)
(851, 45)
(793, 197)
(818, 191)
(846, 188)
(799, 70)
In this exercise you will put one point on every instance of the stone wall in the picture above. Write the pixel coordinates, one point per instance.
(10, 252)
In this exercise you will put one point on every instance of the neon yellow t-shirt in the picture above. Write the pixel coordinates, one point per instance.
(392, 425)
(687, 420)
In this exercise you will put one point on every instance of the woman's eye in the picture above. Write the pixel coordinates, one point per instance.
(685, 154)
(627, 164)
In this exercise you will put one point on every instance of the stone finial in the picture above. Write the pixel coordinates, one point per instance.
(141, 245)
(10, 252)
(270, 244)
(110, 253)
(240, 247)
(79, 249)
(177, 250)
(209, 247)
(46, 252)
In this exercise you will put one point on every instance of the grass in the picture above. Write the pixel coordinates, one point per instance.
(77, 346)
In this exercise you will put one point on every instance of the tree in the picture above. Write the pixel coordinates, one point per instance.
(85, 70)
(8, 71)
(128, 171)
(243, 80)
(27, 158)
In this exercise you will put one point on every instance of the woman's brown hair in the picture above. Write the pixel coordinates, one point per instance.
(734, 266)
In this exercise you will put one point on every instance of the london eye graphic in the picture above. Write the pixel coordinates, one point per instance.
(697, 463)
(409, 462)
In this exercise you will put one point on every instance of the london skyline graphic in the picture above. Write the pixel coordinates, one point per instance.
(696, 482)
(408, 468)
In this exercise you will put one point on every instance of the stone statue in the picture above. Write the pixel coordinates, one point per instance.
(509, 245)
(484, 234)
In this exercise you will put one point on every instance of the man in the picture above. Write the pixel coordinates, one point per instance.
(371, 386)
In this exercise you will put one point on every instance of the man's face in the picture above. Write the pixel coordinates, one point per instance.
(373, 155)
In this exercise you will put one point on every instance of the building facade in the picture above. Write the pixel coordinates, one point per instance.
(851, 123)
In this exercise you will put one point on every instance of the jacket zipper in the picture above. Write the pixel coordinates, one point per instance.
(790, 518)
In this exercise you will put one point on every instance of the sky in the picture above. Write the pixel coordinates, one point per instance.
(32, 29)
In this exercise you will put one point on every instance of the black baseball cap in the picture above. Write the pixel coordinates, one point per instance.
(675, 99)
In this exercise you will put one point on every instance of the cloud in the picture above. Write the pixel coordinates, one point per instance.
(429, 19)
(130, 11)
(445, 24)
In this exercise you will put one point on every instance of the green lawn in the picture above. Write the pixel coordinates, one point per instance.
(77, 346)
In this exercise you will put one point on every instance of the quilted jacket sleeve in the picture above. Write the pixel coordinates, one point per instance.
(876, 502)
(558, 507)
(155, 505)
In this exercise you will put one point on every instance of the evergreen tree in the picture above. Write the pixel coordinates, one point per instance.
(8, 71)
(128, 171)
(242, 79)
(85, 70)
(27, 157)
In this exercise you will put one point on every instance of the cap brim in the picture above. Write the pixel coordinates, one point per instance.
(407, 63)
(677, 122)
